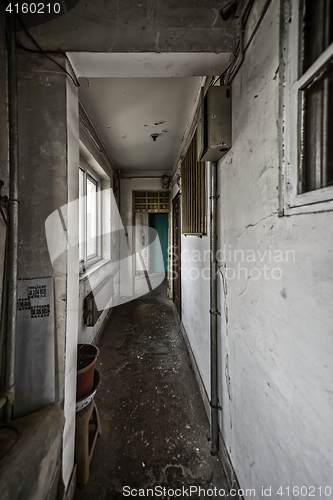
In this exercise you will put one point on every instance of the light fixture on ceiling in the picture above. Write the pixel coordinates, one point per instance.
(154, 136)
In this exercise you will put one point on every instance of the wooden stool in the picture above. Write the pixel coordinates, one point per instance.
(88, 428)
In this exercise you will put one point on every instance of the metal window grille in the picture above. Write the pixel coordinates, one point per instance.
(193, 188)
(151, 201)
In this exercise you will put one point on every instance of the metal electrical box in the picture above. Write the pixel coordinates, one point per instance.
(90, 311)
(98, 300)
(214, 124)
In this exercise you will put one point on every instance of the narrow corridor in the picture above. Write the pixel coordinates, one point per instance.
(155, 430)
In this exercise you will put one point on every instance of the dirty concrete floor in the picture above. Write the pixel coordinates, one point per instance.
(155, 430)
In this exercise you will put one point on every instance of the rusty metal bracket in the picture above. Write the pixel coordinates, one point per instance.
(3, 199)
(215, 407)
(7, 398)
(216, 313)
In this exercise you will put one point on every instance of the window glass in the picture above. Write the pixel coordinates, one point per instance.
(81, 214)
(318, 132)
(91, 211)
(317, 29)
(315, 96)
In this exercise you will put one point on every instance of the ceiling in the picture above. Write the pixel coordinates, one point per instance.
(129, 97)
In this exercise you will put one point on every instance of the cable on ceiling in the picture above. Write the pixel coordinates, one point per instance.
(47, 52)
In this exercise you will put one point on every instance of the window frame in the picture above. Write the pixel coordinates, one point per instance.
(292, 85)
(90, 173)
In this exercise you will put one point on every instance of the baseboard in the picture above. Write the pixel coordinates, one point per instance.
(102, 327)
(202, 388)
(223, 452)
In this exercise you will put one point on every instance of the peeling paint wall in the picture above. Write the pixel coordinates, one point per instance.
(48, 180)
(275, 339)
(274, 295)
(276, 372)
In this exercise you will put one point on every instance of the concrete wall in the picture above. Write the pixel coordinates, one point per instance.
(48, 180)
(275, 289)
(3, 141)
(138, 26)
(50, 135)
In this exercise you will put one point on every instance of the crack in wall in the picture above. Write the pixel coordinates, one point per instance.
(117, 28)
(153, 17)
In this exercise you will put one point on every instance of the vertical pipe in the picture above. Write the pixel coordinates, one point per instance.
(213, 309)
(13, 216)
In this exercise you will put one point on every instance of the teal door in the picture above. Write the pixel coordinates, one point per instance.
(158, 261)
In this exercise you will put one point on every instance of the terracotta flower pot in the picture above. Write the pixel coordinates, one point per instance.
(87, 355)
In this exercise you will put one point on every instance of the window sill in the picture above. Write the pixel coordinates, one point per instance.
(320, 200)
(92, 268)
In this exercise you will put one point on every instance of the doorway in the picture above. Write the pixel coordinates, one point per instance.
(158, 261)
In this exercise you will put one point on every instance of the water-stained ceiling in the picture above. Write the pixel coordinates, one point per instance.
(140, 63)
(141, 105)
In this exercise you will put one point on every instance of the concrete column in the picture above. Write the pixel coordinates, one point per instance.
(49, 159)
(3, 141)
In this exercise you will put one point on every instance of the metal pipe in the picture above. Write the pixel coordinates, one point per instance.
(13, 217)
(214, 424)
(3, 319)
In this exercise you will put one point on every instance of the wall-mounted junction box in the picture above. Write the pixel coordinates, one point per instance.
(90, 311)
(214, 124)
(97, 301)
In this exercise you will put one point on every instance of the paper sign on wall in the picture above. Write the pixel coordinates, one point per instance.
(35, 346)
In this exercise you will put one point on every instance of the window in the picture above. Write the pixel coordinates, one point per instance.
(193, 187)
(151, 201)
(316, 86)
(307, 102)
(89, 216)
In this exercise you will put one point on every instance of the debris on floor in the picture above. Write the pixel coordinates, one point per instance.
(155, 431)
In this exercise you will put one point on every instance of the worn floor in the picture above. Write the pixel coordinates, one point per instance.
(155, 432)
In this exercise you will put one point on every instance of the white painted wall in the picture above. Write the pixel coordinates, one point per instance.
(96, 158)
(277, 417)
(275, 370)
(195, 289)
(107, 267)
